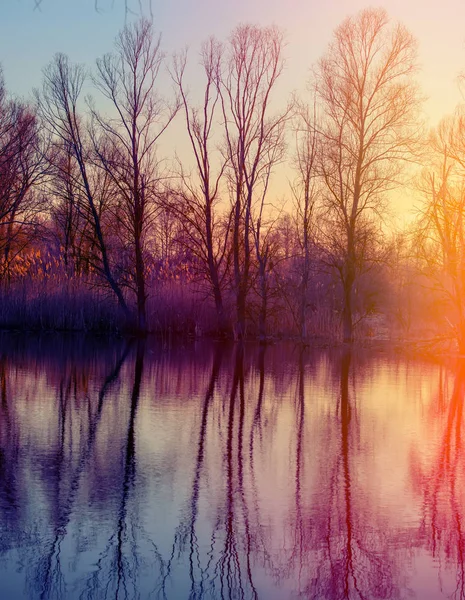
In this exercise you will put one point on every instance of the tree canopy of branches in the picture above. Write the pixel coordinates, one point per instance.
(254, 143)
(367, 100)
(57, 105)
(306, 193)
(440, 232)
(125, 145)
(22, 169)
(197, 198)
(124, 217)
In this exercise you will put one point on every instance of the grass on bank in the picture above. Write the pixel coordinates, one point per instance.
(71, 304)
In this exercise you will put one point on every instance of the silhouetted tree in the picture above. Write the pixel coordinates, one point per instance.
(57, 105)
(125, 145)
(195, 203)
(305, 191)
(253, 138)
(367, 102)
(22, 170)
(439, 239)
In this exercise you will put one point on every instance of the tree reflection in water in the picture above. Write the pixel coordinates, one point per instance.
(340, 551)
(225, 570)
(439, 478)
(354, 552)
(133, 471)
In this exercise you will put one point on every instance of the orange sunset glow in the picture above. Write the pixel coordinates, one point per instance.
(232, 300)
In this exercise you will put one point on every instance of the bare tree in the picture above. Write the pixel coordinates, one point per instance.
(57, 105)
(305, 191)
(264, 241)
(22, 169)
(124, 144)
(196, 201)
(439, 238)
(253, 136)
(72, 223)
(367, 99)
(66, 211)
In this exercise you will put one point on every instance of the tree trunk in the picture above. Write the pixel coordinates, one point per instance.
(222, 324)
(347, 322)
(264, 304)
(244, 275)
(213, 271)
(99, 234)
(140, 287)
(239, 332)
(303, 304)
(240, 275)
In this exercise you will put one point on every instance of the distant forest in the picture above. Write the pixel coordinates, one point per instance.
(99, 231)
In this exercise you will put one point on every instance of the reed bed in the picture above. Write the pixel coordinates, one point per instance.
(40, 295)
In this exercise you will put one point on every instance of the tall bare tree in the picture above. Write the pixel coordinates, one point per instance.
(253, 137)
(367, 100)
(72, 223)
(57, 105)
(197, 199)
(66, 213)
(264, 241)
(124, 144)
(305, 190)
(439, 237)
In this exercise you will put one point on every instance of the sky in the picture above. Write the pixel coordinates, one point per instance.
(29, 37)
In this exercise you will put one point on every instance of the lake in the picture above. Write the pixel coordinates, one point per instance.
(201, 471)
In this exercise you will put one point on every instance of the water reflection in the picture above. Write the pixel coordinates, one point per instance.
(353, 556)
(132, 470)
(439, 479)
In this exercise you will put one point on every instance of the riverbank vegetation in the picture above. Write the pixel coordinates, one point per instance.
(102, 230)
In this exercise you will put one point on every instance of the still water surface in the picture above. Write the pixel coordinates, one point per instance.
(137, 470)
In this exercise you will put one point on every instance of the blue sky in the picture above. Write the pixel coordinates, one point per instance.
(29, 38)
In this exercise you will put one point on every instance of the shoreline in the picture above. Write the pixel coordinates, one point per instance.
(409, 347)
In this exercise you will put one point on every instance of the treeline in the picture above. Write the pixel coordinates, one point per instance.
(100, 230)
